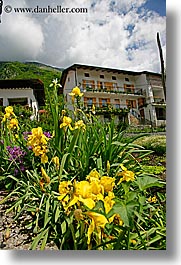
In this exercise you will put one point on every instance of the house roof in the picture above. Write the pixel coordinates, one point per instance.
(102, 69)
(36, 84)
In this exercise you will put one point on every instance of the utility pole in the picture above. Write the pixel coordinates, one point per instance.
(1, 8)
(162, 64)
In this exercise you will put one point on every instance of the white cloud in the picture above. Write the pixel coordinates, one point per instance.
(21, 37)
(111, 34)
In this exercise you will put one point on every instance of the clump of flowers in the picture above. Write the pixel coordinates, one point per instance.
(8, 113)
(152, 199)
(38, 142)
(87, 193)
(10, 118)
(67, 123)
(16, 155)
(26, 134)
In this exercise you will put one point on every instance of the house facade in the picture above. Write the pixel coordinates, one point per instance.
(29, 92)
(137, 97)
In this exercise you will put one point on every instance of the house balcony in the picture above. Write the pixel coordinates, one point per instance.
(112, 90)
(158, 101)
(98, 109)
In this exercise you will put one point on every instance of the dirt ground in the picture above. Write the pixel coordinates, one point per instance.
(14, 234)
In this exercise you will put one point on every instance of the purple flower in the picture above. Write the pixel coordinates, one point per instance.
(47, 134)
(26, 134)
(16, 155)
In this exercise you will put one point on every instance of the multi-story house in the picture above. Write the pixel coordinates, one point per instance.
(137, 97)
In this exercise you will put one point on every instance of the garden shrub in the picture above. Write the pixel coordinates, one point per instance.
(156, 143)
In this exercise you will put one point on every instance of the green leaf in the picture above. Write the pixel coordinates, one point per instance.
(63, 227)
(57, 213)
(99, 207)
(126, 187)
(156, 238)
(44, 241)
(146, 182)
(73, 141)
(64, 158)
(126, 211)
(46, 211)
(139, 217)
(130, 196)
(142, 200)
(38, 238)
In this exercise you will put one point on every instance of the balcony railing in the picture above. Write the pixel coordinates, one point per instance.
(117, 90)
(158, 100)
(105, 108)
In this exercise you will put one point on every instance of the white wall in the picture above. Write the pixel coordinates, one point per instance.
(70, 83)
(19, 93)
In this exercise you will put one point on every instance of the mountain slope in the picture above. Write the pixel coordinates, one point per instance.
(28, 70)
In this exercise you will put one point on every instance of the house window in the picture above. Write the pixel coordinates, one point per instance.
(113, 77)
(117, 104)
(1, 101)
(88, 84)
(141, 102)
(102, 76)
(131, 104)
(103, 102)
(16, 101)
(109, 86)
(114, 85)
(160, 113)
(129, 88)
(86, 74)
(100, 85)
(88, 102)
(126, 79)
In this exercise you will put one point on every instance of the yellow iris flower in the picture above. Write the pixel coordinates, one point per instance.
(76, 92)
(13, 123)
(127, 175)
(108, 183)
(56, 161)
(93, 176)
(98, 221)
(66, 122)
(9, 110)
(45, 176)
(38, 141)
(80, 124)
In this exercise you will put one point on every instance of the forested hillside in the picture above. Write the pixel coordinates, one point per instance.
(28, 70)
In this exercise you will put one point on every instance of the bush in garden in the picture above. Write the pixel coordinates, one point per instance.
(84, 188)
(157, 143)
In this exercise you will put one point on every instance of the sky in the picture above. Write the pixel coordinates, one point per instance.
(113, 33)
